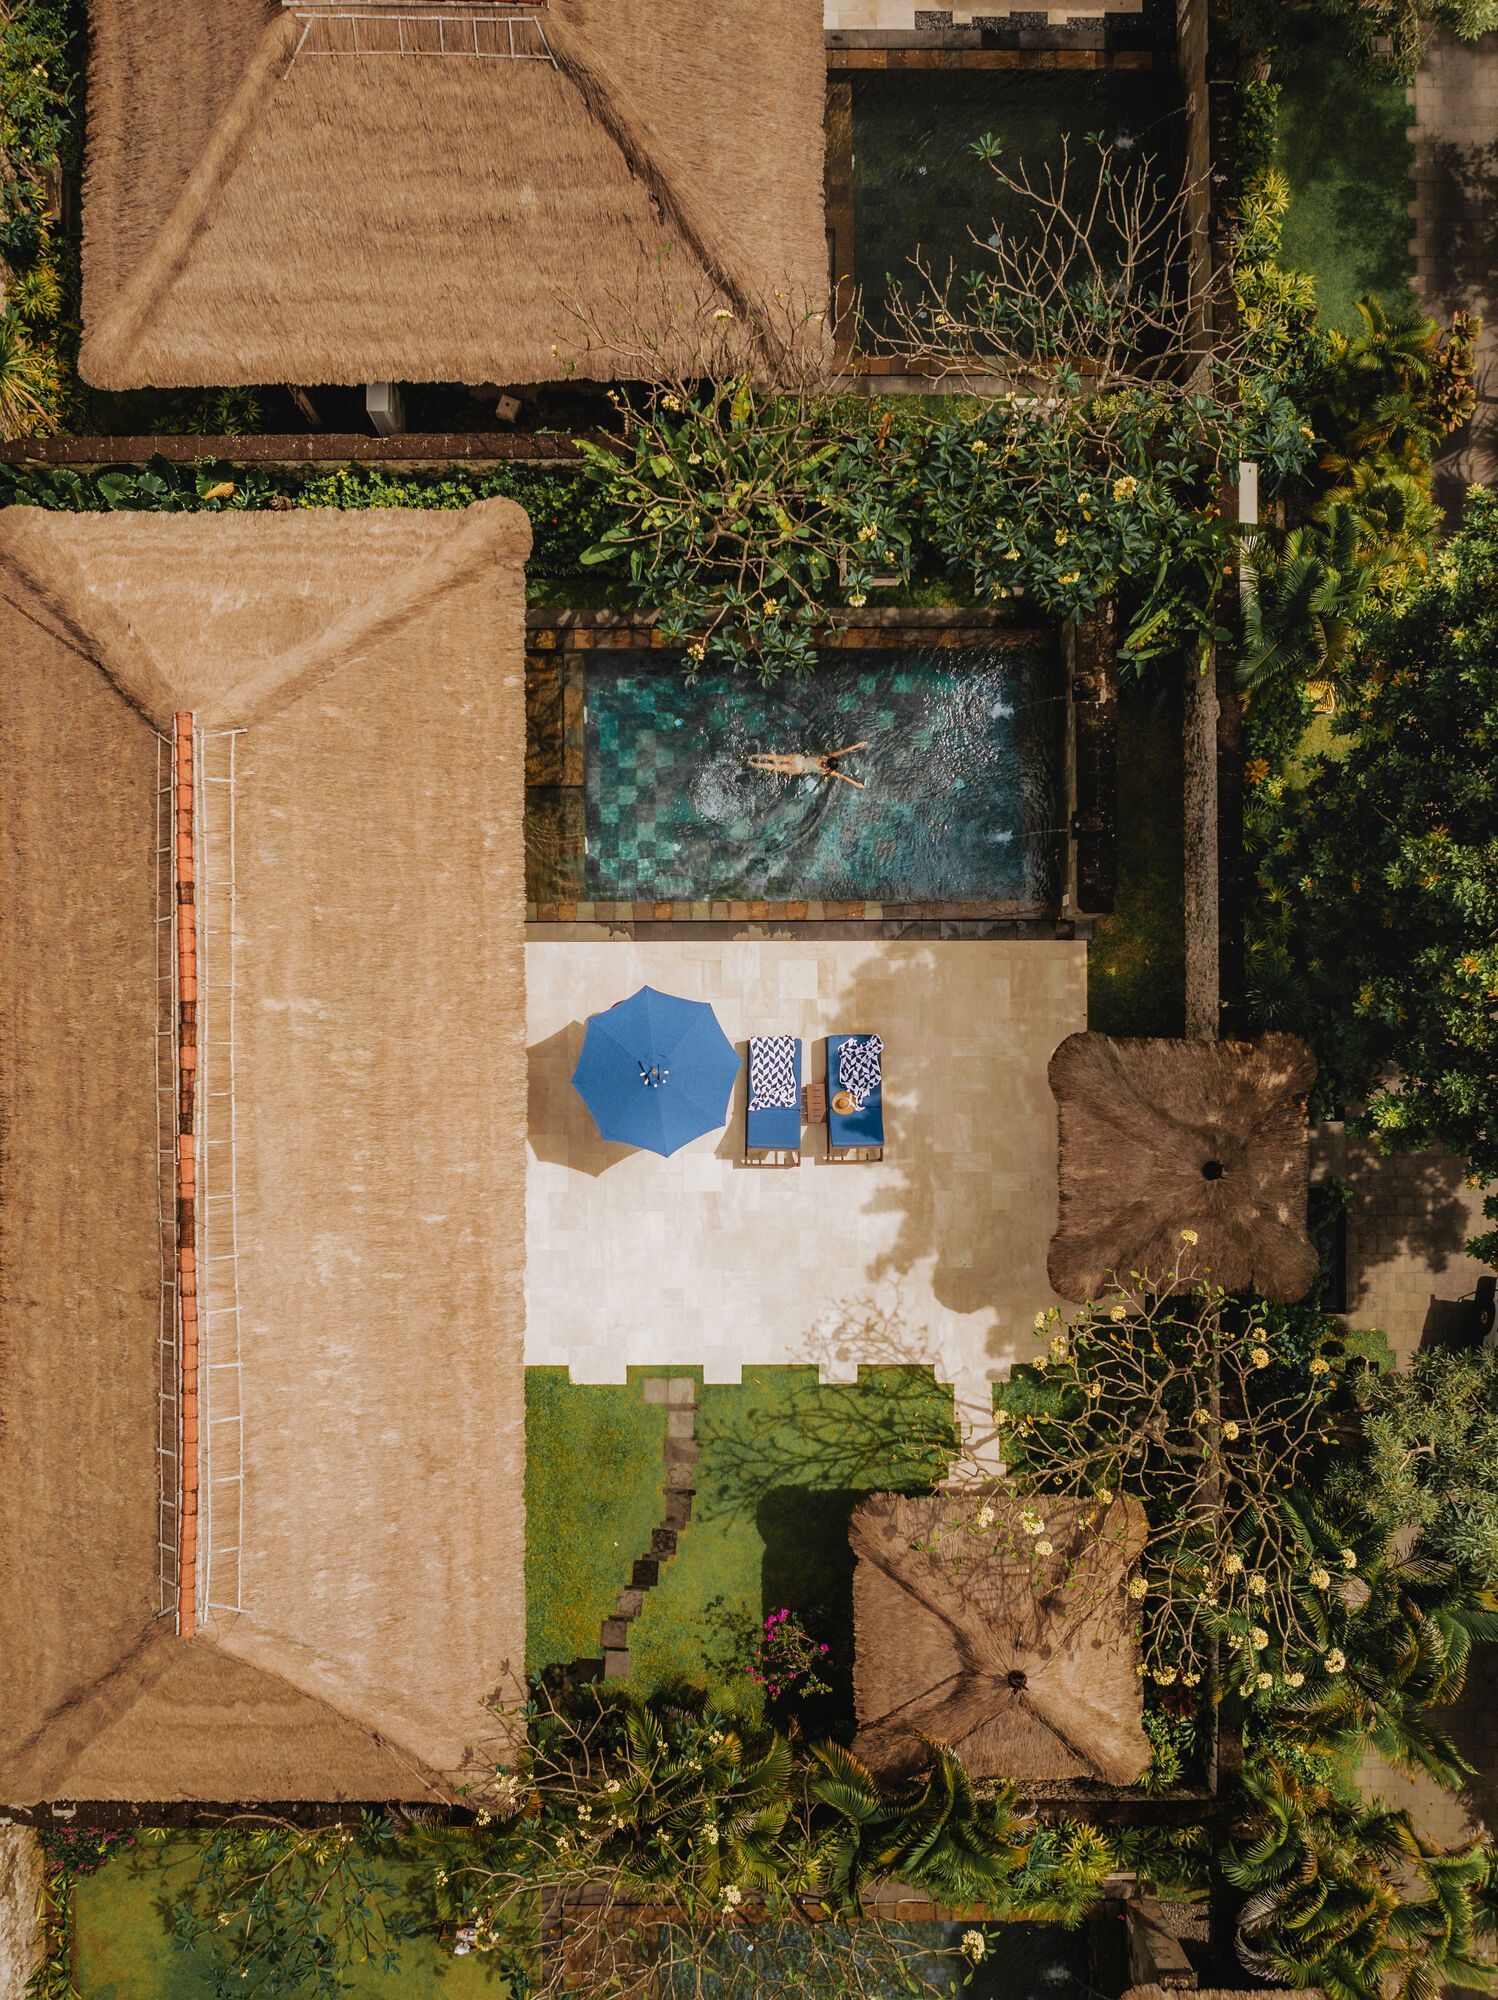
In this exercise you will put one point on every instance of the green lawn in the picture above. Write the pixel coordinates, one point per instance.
(1136, 962)
(123, 1948)
(784, 1461)
(595, 1476)
(1342, 147)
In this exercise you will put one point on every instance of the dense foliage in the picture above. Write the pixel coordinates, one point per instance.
(744, 514)
(1431, 1459)
(39, 131)
(1378, 870)
(566, 518)
(1388, 36)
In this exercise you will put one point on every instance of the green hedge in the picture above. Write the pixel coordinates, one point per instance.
(567, 514)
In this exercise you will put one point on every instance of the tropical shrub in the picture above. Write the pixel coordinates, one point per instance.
(786, 1659)
(1430, 1458)
(942, 1835)
(1328, 1883)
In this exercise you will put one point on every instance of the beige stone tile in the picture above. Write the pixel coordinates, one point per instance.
(936, 1255)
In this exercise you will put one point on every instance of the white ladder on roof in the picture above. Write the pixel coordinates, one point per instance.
(513, 33)
(221, 1454)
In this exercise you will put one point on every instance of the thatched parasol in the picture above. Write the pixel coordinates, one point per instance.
(1161, 1136)
(1024, 1664)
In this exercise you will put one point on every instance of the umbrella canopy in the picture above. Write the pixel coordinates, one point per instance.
(1159, 1136)
(1021, 1663)
(656, 1071)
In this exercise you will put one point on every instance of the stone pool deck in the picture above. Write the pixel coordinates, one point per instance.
(935, 1255)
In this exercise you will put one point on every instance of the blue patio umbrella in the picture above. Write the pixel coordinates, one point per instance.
(656, 1071)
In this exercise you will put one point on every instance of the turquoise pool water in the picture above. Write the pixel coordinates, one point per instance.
(963, 776)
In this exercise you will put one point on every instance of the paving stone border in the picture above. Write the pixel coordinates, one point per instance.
(679, 1395)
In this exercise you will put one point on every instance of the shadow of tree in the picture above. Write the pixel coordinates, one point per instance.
(889, 1431)
(1407, 1205)
(1461, 200)
(808, 1567)
(971, 1178)
(1459, 232)
(1471, 1724)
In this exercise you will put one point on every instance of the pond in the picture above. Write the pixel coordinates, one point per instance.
(919, 186)
(960, 779)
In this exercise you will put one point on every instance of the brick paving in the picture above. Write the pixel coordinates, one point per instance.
(1454, 131)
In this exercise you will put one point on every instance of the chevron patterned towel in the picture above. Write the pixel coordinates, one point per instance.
(858, 1067)
(772, 1072)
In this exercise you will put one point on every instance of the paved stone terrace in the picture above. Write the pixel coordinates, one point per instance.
(1408, 1218)
(936, 1255)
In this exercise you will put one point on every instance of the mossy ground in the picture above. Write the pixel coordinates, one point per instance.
(594, 1488)
(784, 1461)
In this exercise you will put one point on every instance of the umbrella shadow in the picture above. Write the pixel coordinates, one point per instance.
(730, 1141)
(559, 1125)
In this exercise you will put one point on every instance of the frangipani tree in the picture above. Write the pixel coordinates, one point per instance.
(1176, 1393)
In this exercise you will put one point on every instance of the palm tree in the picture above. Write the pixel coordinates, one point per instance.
(686, 1805)
(942, 1837)
(1323, 1875)
(1405, 1625)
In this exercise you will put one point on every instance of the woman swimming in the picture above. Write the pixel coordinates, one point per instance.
(804, 764)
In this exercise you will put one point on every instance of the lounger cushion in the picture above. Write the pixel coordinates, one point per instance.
(777, 1129)
(864, 1127)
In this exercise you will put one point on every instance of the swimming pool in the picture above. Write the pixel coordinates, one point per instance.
(964, 779)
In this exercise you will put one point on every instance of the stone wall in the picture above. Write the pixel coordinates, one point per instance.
(20, 1897)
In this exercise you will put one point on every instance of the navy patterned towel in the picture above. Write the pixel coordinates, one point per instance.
(858, 1067)
(772, 1072)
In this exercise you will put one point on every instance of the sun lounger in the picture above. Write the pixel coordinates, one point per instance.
(856, 1134)
(772, 1125)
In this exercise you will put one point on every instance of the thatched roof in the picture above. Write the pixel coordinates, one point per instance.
(373, 663)
(1023, 1664)
(1161, 1136)
(257, 214)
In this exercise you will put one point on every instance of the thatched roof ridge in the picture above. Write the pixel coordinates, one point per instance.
(1157, 1136)
(1023, 1664)
(345, 218)
(373, 664)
